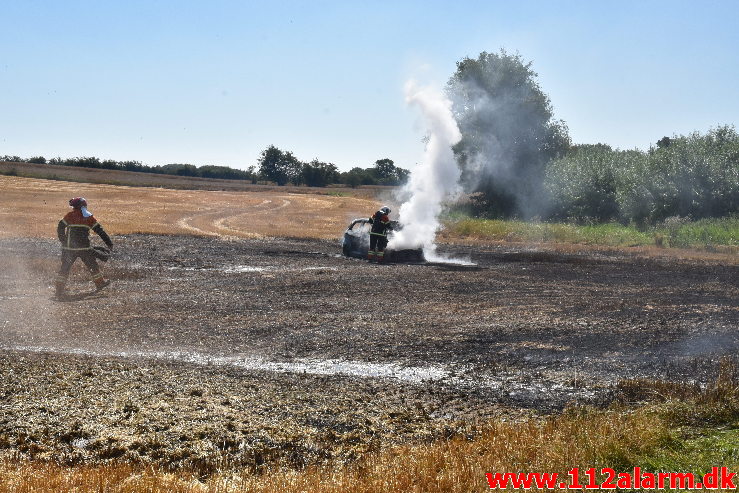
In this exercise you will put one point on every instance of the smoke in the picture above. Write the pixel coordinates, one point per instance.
(27, 314)
(433, 181)
(502, 148)
(509, 134)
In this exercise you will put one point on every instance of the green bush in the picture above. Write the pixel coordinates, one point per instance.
(694, 176)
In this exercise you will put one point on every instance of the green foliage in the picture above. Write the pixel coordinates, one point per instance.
(274, 165)
(583, 185)
(82, 162)
(693, 176)
(319, 174)
(224, 173)
(386, 173)
(383, 172)
(709, 448)
(180, 169)
(221, 172)
(278, 166)
(703, 234)
(508, 132)
(282, 167)
(696, 175)
(683, 233)
(357, 176)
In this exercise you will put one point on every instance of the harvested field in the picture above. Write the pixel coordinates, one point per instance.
(32, 207)
(249, 351)
(233, 348)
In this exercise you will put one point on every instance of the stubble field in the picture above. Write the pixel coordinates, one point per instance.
(236, 335)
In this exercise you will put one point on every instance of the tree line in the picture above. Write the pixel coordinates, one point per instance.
(274, 165)
(695, 175)
(518, 161)
(283, 167)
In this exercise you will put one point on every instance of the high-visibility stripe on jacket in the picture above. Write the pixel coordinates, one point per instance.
(74, 231)
(380, 224)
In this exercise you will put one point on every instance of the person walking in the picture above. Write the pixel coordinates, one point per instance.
(74, 234)
(378, 234)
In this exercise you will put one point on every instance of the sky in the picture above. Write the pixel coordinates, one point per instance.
(217, 82)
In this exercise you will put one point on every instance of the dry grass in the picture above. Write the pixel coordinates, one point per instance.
(32, 207)
(620, 438)
(456, 465)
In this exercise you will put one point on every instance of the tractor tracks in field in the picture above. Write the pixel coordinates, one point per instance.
(219, 222)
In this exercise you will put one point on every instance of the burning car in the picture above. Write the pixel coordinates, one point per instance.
(356, 243)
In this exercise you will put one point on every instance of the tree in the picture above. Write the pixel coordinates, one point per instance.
(387, 173)
(180, 169)
(664, 142)
(583, 184)
(508, 132)
(134, 166)
(319, 174)
(354, 177)
(278, 166)
(251, 171)
(384, 169)
(223, 173)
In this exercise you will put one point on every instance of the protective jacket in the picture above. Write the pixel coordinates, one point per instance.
(74, 231)
(380, 224)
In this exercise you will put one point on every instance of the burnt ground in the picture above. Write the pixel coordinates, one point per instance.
(206, 352)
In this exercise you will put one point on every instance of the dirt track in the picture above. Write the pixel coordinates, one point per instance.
(262, 349)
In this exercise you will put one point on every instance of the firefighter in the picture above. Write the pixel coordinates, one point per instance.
(74, 234)
(378, 234)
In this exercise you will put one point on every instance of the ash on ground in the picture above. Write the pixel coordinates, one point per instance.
(208, 352)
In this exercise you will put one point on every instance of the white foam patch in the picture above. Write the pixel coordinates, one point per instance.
(244, 268)
(458, 376)
(362, 369)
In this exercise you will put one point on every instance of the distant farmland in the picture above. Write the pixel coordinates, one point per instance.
(126, 202)
(139, 179)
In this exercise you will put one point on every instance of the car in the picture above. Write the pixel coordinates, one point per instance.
(356, 243)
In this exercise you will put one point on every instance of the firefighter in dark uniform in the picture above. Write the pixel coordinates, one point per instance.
(378, 235)
(74, 234)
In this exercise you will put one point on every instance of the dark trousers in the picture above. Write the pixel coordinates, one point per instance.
(69, 256)
(377, 243)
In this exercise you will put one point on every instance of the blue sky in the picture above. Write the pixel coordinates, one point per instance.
(216, 82)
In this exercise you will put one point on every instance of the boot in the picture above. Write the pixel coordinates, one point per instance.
(100, 281)
(101, 284)
(370, 256)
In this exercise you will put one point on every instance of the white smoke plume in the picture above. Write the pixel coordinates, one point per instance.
(433, 181)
